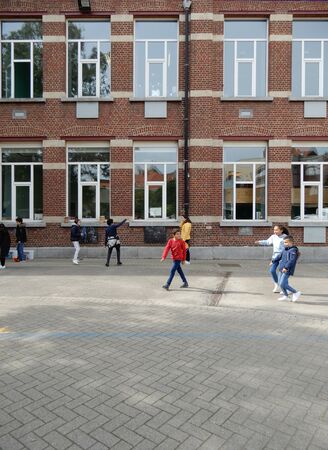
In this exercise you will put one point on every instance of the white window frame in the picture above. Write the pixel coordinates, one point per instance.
(12, 42)
(155, 183)
(15, 184)
(253, 61)
(149, 61)
(87, 183)
(81, 61)
(253, 182)
(306, 61)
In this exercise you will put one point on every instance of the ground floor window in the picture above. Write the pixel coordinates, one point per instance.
(244, 182)
(309, 183)
(88, 182)
(21, 183)
(155, 181)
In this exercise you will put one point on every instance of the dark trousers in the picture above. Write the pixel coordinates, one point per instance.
(176, 267)
(118, 253)
(188, 250)
(3, 261)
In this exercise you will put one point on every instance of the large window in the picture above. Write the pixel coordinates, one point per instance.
(88, 59)
(156, 59)
(245, 58)
(155, 181)
(310, 183)
(310, 58)
(244, 183)
(21, 59)
(21, 183)
(88, 182)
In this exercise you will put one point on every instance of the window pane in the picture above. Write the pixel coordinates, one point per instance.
(72, 190)
(325, 69)
(229, 57)
(228, 192)
(260, 192)
(311, 202)
(140, 58)
(6, 70)
(296, 192)
(155, 201)
(172, 69)
(72, 69)
(104, 69)
(234, 29)
(245, 79)
(37, 70)
(244, 154)
(312, 79)
(261, 69)
(23, 201)
(244, 201)
(244, 172)
(309, 154)
(21, 30)
(22, 50)
(21, 155)
(6, 193)
(312, 29)
(311, 172)
(156, 50)
(159, 29)
(171, 191)
(88, 30)
(22, 173)
(104, 190)
(89, 202)
(245, 49)
(80, 154)
(89, 50)
(325, 192)
(155, 172)
(139, 192)
(312, 49)
(155, 80)
(297, 69)
(159, 154)
(89, 79)
(89, 172)
(22, 79)
(38, 191)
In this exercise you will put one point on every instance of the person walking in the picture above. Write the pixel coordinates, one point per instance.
(112, 240)
(178, 254)
(76, 238)
(185, 227)
(21, 239)
(4, 245)
(287, 261)
(277, 241)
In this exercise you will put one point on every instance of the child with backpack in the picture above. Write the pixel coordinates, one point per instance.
(178, 254)
(287, 263)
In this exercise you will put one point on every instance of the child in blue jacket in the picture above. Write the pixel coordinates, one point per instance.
(287, 263)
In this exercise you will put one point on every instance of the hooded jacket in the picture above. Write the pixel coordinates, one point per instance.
(75, 232)
(288, 259)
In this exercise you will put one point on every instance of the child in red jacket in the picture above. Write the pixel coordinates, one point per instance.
(178, 254)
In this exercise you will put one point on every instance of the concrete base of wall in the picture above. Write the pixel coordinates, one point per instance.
(308, 254)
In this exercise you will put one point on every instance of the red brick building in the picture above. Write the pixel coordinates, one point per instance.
(92, 118)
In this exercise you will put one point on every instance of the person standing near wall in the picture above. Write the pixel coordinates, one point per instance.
(112, 240)
(178, 254)
(76, 238)
(21, 239)
(185, 227)
(4, 245)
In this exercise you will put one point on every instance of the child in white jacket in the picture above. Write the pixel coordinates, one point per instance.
(277, 241)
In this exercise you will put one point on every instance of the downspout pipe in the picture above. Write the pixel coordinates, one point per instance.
(186, 122)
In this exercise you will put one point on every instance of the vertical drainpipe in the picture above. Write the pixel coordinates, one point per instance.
(186, 7)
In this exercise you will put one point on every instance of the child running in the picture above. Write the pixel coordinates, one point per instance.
(277, 241)
(287, 262)
(178, 254)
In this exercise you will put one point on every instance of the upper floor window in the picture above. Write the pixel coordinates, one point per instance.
(310, 58)
(244, 183)
(245, 58)
(21, 183)
(309, 183)
(156, 58)
(21, 59)
(88, 58)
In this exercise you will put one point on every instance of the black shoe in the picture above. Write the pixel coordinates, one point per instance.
(165, 287)
(107, 265)
(119, 263)
(185, 285)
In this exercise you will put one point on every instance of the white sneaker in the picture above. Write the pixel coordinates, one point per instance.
(296, 296)
(2, 267)
(75, 262)
(275, 288)
(187, 262)
(283, 299)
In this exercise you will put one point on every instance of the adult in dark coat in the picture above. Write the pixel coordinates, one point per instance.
(4, 245)
(112, 240)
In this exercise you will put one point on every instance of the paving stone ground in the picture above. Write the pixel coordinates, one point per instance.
(97, 358)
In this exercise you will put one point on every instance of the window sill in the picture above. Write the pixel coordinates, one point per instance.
(245, 223)
(84, 223)
(308, 223)
(246, 99)
(86, 99)
(31, 224)
(155, 99)
(308, 99)
(22, 100)
(153, 223)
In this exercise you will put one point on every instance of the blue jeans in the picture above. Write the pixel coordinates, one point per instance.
(284, 284)
(273, 271)
(176, 267)
(20, 251)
